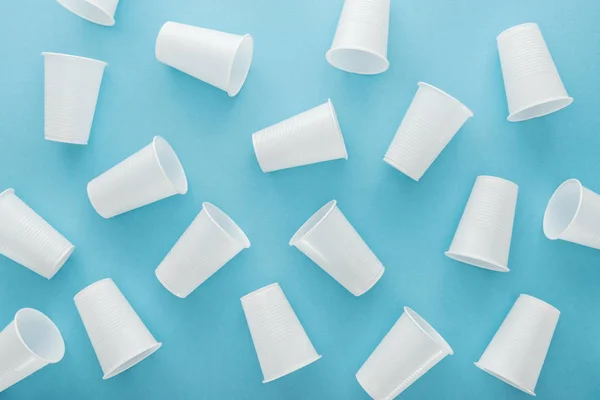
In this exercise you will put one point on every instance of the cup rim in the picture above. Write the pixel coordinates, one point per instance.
(246, 40)
(548, 212)
(80, 58)
(213, 212)
(428, 330)
(504, 379)
(314, 221)
(337, 126)
(383, 66)
(159, 140)
(54, 330)
(132, 361)
(110, 21)
(464, 107)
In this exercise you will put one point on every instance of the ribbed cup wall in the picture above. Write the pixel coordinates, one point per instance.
(200, 252)
(338, 249)
(280, 341)
(431, 121)
(518, 350)
(307, 138)
(364, 24)
(28, 239)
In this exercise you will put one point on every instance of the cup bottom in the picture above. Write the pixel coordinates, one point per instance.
(373, 283)
(166, 286)
(293, 369)
(66, 140)
(357, 60)
(540, 109)
(124, 366)
(505, 380)
(477, 262)
(61, 261)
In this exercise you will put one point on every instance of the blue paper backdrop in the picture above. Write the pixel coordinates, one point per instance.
(207, 352)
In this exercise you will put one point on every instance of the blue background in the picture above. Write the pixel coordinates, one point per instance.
(207, 352)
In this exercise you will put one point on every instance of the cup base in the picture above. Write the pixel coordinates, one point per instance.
(65, 140)
(505, 380)
(162, 282)
(293, 369)
(373, 283)
(540, 109)
(88, 11)
(357, 60)
(476, 262)
(61, 261)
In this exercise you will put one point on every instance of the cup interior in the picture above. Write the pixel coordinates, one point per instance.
(89, 11)
(241, 65)
(357, 61)
(562, 208)
(39, 334)
(170, 164)
(226, 224)
(313, 222)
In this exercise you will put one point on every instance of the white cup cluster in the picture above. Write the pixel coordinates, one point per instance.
(412, 347)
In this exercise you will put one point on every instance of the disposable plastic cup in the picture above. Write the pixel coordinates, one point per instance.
(118, 335)
(533, 85)
(27, 239)
(573, 214)
(71, 87)
(361, 41)
(101, 12)
(485, 230)
(518, 350)
(150, 175)
(217, 58)
(281, 344)
(208, 244)
(310, 137)
(29, 343)
(410, 349)
(329, 240)
(432, 120)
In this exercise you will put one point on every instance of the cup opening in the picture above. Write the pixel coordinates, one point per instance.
(88, 11)
(337, 127)
(428, 330)
(226, 224)
(466, 109)
(563, 208)
(133, 361)
(292, 369)
(539, 110)
(477, 262)
(357, 61)
(505, 380)
(170, 164)
(40, 335)
(313, 222)
(241, 65)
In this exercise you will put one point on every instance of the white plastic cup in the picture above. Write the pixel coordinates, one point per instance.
(281, 344)
(101, 12)
(150, 175)
(208, 244)
(310, 137)
(485, 230)
(517, 352)
(328, 239)
(432, 120)
(533, 85)
(29, 343)
(410, 349)
(71, 87)
(218, 58)
(360, 45)
(27, 239)
(118, 335)
(573, 214)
